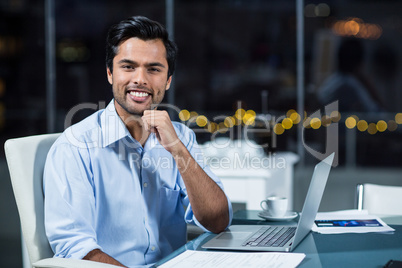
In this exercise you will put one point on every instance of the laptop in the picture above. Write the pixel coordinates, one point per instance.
(282, 238)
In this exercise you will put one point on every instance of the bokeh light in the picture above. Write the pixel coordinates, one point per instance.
(358, 28)
(335, 116)
(201, 121)
(326, 120)
(184, 115)
(306, 122)
(290, 112)
(212, 127)
(350, 122)
(278, 129)
(392, 125)
(315, 123)
(240, 113)
(248, 118)
(229, 121)
(287, 123)
(372, 128)
(295, 117)
(398, 118)
(362, 125)
(193, 115)
(381, 126)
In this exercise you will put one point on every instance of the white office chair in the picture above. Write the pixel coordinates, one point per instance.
(26, 159)
(379, 199)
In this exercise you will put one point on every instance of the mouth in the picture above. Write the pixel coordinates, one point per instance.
(139, 95)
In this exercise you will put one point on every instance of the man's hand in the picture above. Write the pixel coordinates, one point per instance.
(159, 123)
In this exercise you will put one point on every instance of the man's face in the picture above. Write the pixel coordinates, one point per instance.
(140, 76)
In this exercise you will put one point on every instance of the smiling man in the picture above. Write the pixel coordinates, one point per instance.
(140, 77)
(108, 197)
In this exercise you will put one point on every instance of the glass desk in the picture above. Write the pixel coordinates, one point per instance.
(335, 250)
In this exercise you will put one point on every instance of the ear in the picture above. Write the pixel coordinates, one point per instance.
(169, 81)
(109, 76)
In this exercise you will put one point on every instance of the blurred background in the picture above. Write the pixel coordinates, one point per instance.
(241, 64)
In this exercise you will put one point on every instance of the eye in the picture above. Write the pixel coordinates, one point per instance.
(154, 70)
(129, 67)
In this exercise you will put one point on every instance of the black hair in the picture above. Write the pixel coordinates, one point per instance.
(144, 29)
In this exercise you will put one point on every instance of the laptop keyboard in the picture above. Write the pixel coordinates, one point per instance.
(270, 237)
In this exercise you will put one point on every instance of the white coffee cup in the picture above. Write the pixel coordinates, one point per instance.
(276, 206)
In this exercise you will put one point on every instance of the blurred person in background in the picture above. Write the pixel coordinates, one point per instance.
(348, 85)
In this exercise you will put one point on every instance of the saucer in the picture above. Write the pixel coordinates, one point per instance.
(290, 215)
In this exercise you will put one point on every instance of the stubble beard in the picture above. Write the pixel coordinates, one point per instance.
(123, 103)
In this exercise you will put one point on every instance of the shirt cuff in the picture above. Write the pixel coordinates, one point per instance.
(80, 250)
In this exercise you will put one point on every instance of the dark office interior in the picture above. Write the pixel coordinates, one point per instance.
(236, 58)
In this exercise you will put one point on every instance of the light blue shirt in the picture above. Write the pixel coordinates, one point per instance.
(104, 190)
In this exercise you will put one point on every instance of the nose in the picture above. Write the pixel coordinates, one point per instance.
(140, 77)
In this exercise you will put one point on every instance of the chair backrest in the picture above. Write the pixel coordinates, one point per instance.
(379, 199)
(26, 159)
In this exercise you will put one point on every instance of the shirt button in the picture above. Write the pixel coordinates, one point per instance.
(145, 185)
(153, 248)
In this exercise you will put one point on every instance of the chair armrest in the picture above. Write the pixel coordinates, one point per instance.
(70, 263)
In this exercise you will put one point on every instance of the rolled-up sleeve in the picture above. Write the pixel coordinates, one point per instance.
(69, 205)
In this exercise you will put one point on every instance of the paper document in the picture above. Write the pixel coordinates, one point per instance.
(224, 259)
(349, 221)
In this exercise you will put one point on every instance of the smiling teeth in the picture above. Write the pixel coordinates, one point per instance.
(138, 94)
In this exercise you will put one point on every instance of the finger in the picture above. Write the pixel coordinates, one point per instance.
(148, 121)
(153, 118)
(145, 123)
(150, 124)
(147, 112)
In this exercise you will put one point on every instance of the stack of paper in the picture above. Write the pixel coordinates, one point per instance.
(349, 221)
(213, 259)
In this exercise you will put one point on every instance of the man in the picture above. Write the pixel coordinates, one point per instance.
(116, 183)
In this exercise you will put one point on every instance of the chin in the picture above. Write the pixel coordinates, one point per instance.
(133, 112)
(137, 113)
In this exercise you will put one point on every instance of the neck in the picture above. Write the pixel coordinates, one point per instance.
(135, 126)
(137, 130)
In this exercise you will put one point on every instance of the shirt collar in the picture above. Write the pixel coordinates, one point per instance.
(112, 127)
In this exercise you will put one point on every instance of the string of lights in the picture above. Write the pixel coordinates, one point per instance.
(292, 119)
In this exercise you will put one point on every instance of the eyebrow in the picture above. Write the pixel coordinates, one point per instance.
(151, 64)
